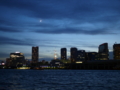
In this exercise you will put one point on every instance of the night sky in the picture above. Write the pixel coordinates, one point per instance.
(54, 24)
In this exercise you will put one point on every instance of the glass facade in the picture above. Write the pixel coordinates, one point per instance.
(73, 55)
(63, 53)
(116, 51)
(35, 54)
(103, 52)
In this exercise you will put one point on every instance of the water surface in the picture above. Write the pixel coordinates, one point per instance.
(11, 79)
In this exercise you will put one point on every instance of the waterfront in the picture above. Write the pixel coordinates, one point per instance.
(13, 79)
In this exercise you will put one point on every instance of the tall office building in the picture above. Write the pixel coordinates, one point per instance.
(81, 55)
(103, 52)
(35, 54)
(116, 51)
(73, 55)
(63, 53)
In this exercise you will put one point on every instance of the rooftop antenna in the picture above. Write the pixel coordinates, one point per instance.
(55, 55)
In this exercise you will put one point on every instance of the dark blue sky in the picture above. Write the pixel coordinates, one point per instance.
(53, 24)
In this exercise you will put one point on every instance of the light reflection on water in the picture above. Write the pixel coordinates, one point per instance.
(59, 79)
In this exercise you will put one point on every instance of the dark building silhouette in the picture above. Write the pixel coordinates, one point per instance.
(8, 62)
(63, 53)
(91, 56)
(103, 52)
(81, 55)
(35, 54)
(116, 51)
(56, 63)
(95, 65)
(73, 55)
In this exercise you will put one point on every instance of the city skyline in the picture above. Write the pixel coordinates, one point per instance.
(35, 53)
(52, 25)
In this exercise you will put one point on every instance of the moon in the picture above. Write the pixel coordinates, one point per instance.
(40, 20)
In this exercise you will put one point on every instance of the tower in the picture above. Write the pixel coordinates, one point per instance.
(63, 53)
(35, 56)
(116, 51)
(73, 54)
(103, 51)
(55, 55)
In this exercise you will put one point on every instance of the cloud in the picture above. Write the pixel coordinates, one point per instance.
(76, 9)
(27, 42)
(75, 31)
(9, 29)
(12, 41)
(14, 14)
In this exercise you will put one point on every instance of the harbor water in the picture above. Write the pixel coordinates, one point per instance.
(13, 79)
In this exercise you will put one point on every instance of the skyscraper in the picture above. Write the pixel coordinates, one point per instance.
(35, 54)
(73, 54)
(63, 53)
(116, 51)
(103, 51)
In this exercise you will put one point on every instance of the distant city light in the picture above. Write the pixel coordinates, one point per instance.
(79, 62)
